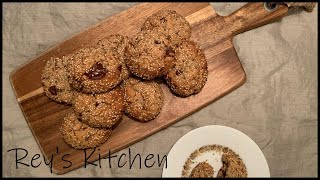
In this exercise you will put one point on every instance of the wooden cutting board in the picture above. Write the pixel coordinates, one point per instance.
(212, 32)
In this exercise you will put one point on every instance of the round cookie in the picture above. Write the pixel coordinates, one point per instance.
(175, 26)
(94, 70)
(55, 81)
(117, 43)
(79, 135)
(143, 99)
(100, 110)
(150, 55)
(190, 72)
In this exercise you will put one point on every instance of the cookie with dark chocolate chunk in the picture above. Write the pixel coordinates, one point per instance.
(190, 72)
(94, 70)
(150, 54)
(117, 43)
(174, 25)
(55, 82)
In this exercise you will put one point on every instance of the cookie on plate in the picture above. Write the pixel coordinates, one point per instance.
(117, 43)
(175, 26)
(100, 110)
(79, 135)
(190, 72)
(143, 99)
(94, 70)
(232, 166)
(55, 81)
(150, 55)
(202, 170)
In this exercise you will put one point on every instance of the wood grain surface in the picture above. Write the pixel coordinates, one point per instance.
(212, 32)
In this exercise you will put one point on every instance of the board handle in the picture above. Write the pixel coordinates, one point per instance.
(253, 15)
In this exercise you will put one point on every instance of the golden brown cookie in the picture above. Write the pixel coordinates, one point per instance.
(150, 55)
(143, 99)
(55, 81)
(79, 135)
(117, 43)
(232, 166)
(100, 110)
(202, 170)
(94, 70)
(175, 26)
(190, 72)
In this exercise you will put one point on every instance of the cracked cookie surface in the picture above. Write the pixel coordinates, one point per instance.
(100, 110)
(171, 23)
(94, 70)
(143, 99)
(79, 135)
(117, 43)
(190, 72)
(150, 55)
(55, 81)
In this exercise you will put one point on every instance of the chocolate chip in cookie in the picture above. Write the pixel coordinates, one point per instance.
(96, 72)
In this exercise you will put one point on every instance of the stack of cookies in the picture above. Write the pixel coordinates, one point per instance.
(117, 76)
(163, 49)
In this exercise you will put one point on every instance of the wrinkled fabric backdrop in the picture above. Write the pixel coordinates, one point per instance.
(276, 107)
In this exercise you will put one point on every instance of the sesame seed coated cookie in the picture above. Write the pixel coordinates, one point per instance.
(100, 110)
(150, 55)
(190, 72)
(55, 81)
(143, 99)
(172, 24)
(232, 167)
(117, 43)
(79, 135)
(202, 170)
(94, 70)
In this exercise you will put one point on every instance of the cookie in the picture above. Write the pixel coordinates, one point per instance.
(202, 170)
(94, 70)
(175, 26)
(55, 81)
(117, 43)
(100, 110)
(232, 166)
(143, 99)
(80, 136)
(190, 72)
(150, 55)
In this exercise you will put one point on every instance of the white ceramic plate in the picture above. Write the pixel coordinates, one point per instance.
(237, 141)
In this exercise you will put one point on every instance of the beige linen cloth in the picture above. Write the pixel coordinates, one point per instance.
(276, 107)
